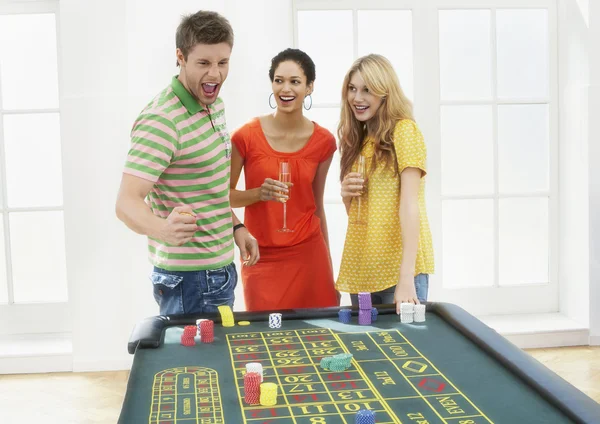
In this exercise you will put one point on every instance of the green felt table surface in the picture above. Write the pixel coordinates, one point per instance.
(410, 373)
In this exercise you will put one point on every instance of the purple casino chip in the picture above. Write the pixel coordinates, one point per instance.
(364, 301)
(364, 317)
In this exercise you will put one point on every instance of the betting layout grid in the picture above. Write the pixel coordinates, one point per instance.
(388, 375)
(186, 393)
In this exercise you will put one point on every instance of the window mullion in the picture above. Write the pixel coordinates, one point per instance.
(494, 71)
(4, 204)
(355, 32)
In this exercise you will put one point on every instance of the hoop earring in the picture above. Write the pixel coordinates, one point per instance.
(304, 104)
(272, 107)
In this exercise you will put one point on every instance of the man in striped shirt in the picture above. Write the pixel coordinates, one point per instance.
(175, 186)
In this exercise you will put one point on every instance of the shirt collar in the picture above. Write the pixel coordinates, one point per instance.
(186, 98)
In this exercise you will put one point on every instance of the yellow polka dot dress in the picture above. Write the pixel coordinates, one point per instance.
(373, 251)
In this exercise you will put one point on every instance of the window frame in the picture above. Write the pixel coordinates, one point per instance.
(427, 98)
(15, 318)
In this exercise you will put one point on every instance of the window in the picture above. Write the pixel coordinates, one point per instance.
(482, 75)
(32, 245)
(334, 39)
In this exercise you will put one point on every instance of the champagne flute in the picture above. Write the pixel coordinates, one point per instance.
(361, 169)
(285, 177)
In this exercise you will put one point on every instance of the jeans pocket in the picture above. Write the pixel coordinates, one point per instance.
(167, 292)
(220, 287)
(220, 280)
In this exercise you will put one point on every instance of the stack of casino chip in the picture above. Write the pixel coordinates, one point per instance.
(226, 316)
(255, 367)
(252, 388)
(268, 394)
(326, 362)
(374, 313)
(199, 324)
(207, 331)
(365, 306)
(187, 337)
(419, 313)
(345, 315)
(336, 363)
(365, 416)
(340, 362)
(274, 320)
(407, 312)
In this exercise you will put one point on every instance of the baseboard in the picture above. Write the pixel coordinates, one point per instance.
(550, 339)
(36, 364)
(61, 363)
(103, 364)
(530, 331)
(36, 353)
(594, 340)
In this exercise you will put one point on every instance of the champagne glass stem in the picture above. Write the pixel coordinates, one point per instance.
(285, 216)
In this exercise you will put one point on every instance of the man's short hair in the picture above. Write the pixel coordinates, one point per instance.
(203, 27)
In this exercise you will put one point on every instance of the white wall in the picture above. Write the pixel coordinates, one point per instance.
(94, 126)
(573, 175)
(594, 170)
(116, 56)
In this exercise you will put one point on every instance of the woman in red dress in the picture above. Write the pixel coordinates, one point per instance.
(295, 269)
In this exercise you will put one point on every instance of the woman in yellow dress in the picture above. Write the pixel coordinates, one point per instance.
(388, 250)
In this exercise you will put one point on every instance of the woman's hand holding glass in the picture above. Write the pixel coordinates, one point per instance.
(273, 190)
(352, 185)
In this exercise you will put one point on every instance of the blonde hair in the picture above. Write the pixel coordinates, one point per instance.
(382, 81)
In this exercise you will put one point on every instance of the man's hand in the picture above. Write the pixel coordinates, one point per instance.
(248, 246)
(179, 227)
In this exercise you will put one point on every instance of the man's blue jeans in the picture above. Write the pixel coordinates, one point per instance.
(194, 292)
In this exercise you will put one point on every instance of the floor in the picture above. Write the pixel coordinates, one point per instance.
(86, 398)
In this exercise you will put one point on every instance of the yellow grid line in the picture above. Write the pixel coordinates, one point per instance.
(386, 406)
(308, 373)
(329, 414)
(325, 385)
(368, 333)
(175, 387)
(220, 398)
(277, 375)
(314, 382)
(447, 379)
(313, 363)
(326, 414)
(342, 402)
(236, 383)
(291, 384)
(159, 397)
(462, 418)
(366, 379)
(210, 383)
(173, 381)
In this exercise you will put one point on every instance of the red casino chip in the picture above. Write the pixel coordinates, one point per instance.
(190, 330)
(188, 341)
(252, 399)
(207, 325)
(207, 331)
(252, 384)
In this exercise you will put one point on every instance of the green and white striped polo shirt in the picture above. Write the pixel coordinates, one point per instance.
(185, 151)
